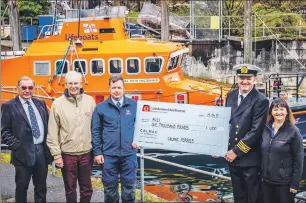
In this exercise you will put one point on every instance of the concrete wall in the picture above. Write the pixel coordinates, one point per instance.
(215, 60)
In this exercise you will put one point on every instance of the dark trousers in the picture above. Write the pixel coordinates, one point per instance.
(126, 168)
(77, 168)
(274, 193)
(246, 184)
(38, 172)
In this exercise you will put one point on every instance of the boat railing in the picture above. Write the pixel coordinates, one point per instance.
(11, 54)
(39, 92)
(46, 31)
(98, 12)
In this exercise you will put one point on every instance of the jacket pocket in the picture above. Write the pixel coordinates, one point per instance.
(19, 154)
(286, 168)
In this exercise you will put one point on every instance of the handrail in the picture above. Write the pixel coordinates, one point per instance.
(184, 167)
(142, 157)
(37, 96)
(300, 198)
(289, 75)
(42, 29)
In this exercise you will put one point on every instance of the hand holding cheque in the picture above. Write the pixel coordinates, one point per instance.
(188, 128)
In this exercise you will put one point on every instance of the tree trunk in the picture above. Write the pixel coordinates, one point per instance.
(15, 25)
(247, 44)
(164, 21)
(138, 5)
(127, 4)
(75, 4)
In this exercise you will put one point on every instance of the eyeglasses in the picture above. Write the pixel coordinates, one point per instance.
(29, 87)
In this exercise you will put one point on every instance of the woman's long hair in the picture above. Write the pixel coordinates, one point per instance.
(277, 103)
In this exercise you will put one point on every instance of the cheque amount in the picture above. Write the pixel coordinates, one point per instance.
(158, 124)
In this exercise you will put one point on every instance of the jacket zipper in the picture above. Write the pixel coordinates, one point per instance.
(271, 139)
(120, 130)
(76, 101)
(269, 154)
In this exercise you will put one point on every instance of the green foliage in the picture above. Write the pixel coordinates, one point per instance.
(279, 20)
(281, 17)
(31, 9)
(28, 9)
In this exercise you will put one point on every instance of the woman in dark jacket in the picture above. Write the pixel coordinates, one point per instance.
(282, 155)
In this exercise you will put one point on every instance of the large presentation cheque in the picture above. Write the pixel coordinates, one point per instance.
(182, 127)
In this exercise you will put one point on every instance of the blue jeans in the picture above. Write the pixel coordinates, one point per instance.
(126, 168)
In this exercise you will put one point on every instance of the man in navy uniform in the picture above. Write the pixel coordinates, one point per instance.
(248, 117)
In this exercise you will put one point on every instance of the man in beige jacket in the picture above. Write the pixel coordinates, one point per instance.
(69, 137)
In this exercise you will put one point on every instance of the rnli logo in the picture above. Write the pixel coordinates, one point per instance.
(128, 112)
(89, 28)
(146, 108)
(244, 69)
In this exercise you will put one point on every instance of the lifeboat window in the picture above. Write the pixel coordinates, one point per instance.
(80, 66)
(132, 66)
(42, 68)
(173, 63)
(183, 60)
(61, 68)
(97, 67)
(115, 66)
(153, 65)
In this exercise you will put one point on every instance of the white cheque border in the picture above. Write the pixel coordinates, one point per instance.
(182, 127)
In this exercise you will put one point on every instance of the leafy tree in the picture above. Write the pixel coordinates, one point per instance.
(31, 9)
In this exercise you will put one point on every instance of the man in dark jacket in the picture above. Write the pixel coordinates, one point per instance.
(112, 139)
(248, 117)
(24, 129)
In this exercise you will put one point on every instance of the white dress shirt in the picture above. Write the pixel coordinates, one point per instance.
(244, 96)
(115, 102)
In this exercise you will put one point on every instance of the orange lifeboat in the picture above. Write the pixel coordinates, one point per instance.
(98, 47)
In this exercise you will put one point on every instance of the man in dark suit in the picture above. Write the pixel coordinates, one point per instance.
(24, 130)
(248, 117)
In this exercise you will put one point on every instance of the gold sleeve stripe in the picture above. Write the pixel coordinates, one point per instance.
(243, 147)
(247, 147)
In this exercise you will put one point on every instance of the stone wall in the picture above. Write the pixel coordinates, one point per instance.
(215, 60)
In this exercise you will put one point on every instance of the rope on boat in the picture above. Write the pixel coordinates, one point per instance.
(184, 167)
(60, 67)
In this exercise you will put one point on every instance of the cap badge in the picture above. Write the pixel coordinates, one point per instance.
(244, 69)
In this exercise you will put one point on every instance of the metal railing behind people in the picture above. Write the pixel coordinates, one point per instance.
(142, 157)
(233, 25)
(278, 85)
